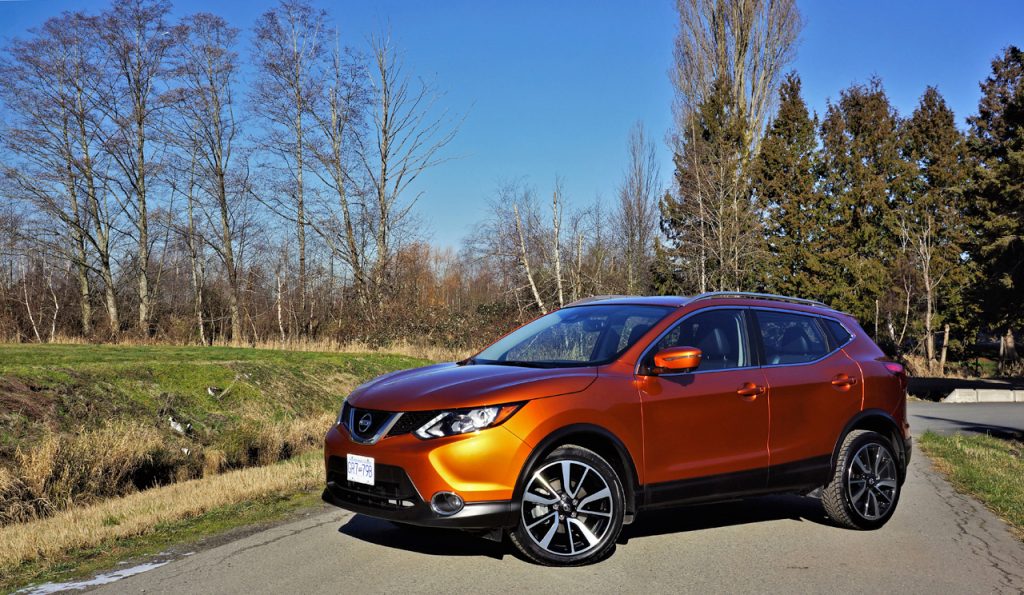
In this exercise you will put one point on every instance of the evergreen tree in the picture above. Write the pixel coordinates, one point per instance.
(864, 266)
(996, 142)
(785, 183)
(933, 222)
(710, 225)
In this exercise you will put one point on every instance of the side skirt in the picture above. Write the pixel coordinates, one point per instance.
(798, 475)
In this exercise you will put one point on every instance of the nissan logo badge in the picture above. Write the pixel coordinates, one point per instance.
(364, 423)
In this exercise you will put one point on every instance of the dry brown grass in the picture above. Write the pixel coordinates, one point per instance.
(430, 352)
(139, 513)
(69, 469)
(64, 469)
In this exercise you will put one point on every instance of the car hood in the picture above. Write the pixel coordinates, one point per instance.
(454, 386)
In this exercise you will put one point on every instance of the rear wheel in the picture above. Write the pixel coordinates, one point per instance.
(865, 489)
(571, 509)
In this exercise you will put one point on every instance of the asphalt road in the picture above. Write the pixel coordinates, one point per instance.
(1004, 420)
(937, 541)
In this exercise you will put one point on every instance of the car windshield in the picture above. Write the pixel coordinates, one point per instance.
(577, 336)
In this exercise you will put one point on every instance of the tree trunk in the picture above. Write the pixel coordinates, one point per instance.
(929, 337)
(525, 260)
(300, 220)
(28, 308)
(280, 316)
(945, 346)
(145, 298)
(198, 280)
(556, 220)
(229, 262)
(1010, 349)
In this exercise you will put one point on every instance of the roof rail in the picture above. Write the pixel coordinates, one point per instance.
(595, 298)
(759, 296)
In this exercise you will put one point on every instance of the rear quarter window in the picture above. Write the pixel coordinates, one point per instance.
(838, 331)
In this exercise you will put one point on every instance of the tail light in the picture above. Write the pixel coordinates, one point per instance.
(895, 369)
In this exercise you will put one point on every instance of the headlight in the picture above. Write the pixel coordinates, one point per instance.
(464, 421)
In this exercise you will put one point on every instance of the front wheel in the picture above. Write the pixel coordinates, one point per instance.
(865, 489)
(571, 509)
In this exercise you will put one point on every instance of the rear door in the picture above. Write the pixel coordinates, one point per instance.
(701, 435)
(814, 388)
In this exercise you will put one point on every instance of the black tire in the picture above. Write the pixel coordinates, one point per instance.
(863, 497)
(574, 527)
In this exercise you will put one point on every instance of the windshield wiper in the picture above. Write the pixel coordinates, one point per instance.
(522, 364)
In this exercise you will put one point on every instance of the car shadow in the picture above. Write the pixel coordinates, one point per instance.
(421, 540)
(1003, 432)
(686, 519)
(700, 517)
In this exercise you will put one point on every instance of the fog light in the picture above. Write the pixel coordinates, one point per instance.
(446, 503)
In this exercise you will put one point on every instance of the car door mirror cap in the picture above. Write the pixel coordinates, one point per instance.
(676, 359)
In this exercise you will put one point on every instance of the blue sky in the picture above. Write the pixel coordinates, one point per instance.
(552, 87)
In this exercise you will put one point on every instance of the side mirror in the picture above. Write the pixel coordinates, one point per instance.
(677, 359)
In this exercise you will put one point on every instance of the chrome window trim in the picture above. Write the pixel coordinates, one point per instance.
(384, 428)
(811, 315)
(650, 346)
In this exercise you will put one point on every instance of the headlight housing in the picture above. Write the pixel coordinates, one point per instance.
(464, 421)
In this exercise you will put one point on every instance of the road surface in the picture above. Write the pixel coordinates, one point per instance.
(1003, 420)
(937, 541)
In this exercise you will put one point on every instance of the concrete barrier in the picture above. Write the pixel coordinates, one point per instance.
(985, 395)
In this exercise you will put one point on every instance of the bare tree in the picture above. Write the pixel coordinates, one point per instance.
(636, 215)
(745, 42)
(405, 139)
(206, 69)
(339, 116)
(138, 39)
(291, 56)
(51, 84)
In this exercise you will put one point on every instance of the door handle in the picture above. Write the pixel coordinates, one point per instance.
(750, 390)
(843, 381)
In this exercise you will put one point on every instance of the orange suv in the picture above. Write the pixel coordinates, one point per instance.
(565, 429)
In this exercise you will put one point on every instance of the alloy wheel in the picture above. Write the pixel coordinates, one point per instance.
(567, 508)
(872, 481)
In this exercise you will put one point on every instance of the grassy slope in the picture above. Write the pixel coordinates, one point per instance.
(988, 468)
(68, 387)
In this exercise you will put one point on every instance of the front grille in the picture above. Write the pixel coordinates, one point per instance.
(411, 421)
(364, 423)
(392, 489)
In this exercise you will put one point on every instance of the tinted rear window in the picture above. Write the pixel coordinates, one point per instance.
(791, 338)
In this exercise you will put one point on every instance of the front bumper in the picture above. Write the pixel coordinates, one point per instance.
(475, 515)
(481, 468)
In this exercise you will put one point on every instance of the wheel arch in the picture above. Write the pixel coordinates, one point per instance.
(880, 421)
(595, 438)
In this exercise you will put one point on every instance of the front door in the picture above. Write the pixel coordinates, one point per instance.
(706, 431)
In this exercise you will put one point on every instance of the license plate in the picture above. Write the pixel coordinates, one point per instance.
(360, 469)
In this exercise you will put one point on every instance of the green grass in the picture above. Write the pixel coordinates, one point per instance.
(988, 468)
(71, 387)
(84, 563)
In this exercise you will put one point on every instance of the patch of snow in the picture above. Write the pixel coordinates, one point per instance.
(100, 579)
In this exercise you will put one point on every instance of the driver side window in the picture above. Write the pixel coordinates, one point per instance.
(719, 334)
